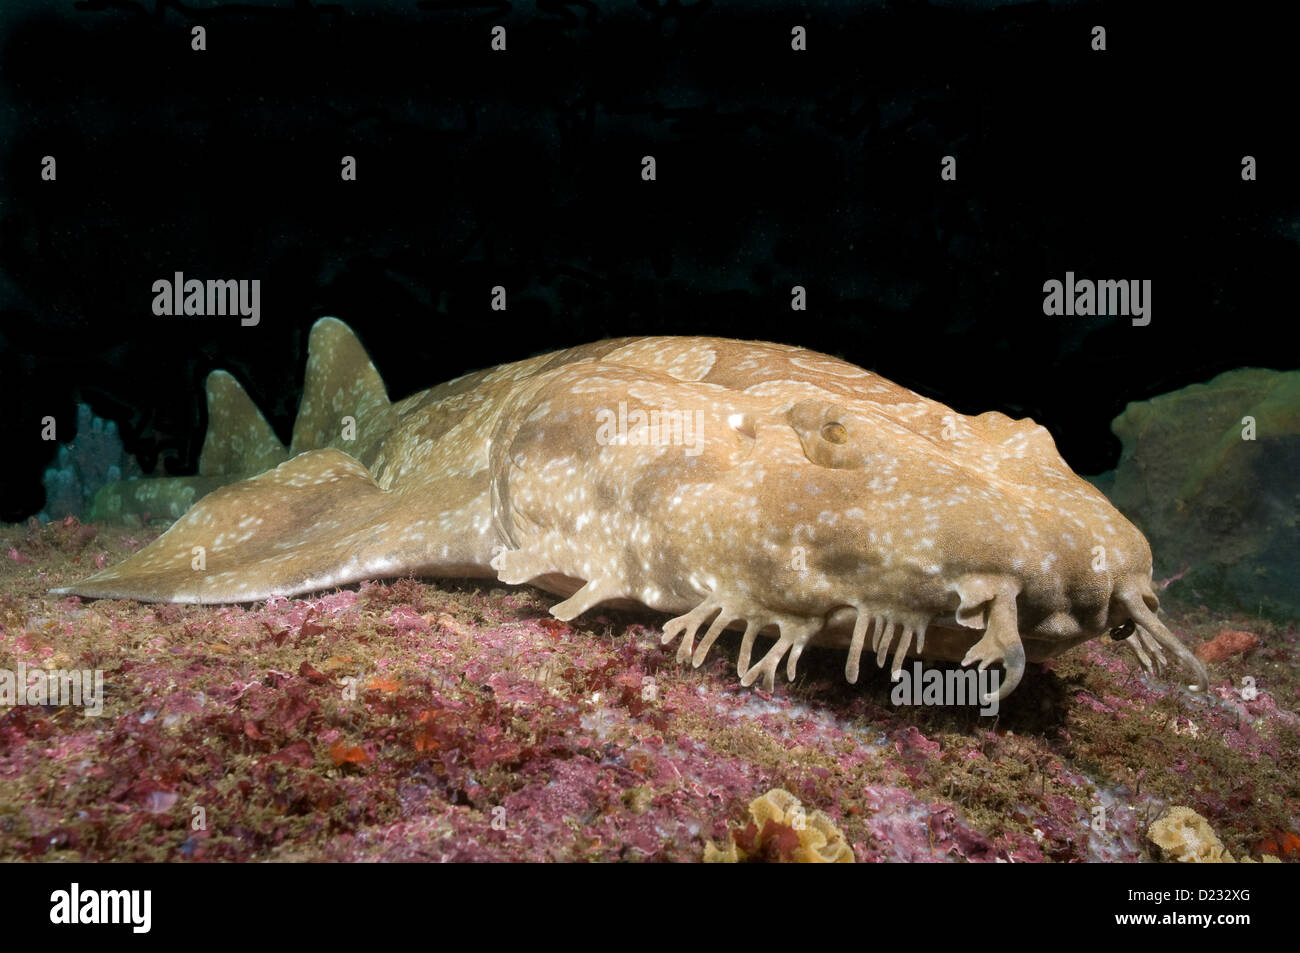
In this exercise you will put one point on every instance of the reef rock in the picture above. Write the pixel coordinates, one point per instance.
(1211, 475)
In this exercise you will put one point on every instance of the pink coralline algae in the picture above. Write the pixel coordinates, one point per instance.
(403, 721)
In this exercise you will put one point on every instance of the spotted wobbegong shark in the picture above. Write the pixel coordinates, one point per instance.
(732, 484)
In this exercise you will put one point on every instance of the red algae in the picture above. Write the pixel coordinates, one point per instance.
(407, 721)
(1225, 645)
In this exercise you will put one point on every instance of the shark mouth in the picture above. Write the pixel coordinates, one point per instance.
(986, 605)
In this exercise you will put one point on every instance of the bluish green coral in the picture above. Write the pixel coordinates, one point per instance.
(92, 460)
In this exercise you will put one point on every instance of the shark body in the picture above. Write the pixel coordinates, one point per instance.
(728, 483)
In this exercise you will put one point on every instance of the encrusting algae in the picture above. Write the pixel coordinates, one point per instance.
(782, 831)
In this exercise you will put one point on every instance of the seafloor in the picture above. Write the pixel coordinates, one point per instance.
(420, 720)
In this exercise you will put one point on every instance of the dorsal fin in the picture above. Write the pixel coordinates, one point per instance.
(239, 441)
(341, 382)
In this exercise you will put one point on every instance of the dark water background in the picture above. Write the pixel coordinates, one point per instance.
(522, 169)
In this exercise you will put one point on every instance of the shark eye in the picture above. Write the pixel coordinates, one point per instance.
(835, 433)
(1122, 631)
(825, 437)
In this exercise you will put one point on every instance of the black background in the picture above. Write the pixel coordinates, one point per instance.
(364, 906)
(522, 169)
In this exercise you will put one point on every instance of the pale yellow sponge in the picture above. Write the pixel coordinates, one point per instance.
(1187, 837)
(783, 831)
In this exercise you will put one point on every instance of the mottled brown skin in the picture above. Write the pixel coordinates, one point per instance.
(730, 483)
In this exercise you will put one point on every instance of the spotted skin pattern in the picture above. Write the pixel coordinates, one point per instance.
(731, 484)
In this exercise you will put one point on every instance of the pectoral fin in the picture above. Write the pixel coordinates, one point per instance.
(316, 521)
